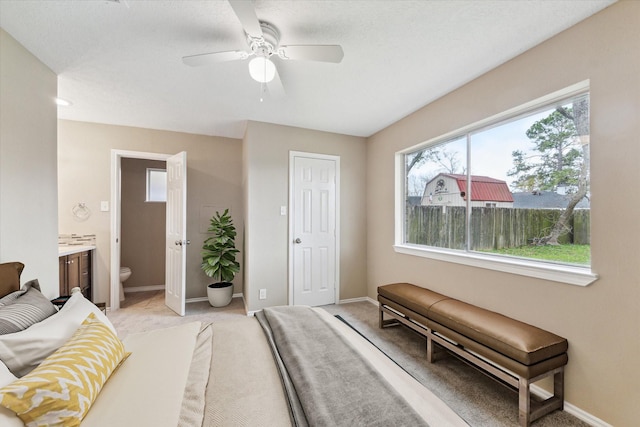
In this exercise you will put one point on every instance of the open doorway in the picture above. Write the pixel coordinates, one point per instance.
(142, 227)
(174, 282)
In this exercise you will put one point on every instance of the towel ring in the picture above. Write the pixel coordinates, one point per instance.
(81, 212)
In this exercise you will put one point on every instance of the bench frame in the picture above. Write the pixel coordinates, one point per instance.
(529, 408)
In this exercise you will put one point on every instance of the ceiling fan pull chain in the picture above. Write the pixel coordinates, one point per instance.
(263, 84)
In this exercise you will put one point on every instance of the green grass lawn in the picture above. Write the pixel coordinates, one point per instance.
(573, 254)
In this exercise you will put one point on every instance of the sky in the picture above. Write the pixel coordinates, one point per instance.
(491, 149)
(490, 152)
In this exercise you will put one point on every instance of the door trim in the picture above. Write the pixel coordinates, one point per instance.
(114, 234)
(292, 156)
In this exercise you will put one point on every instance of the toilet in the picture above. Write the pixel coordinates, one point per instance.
(125, 273)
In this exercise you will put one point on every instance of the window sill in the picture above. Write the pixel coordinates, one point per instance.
(572, 275)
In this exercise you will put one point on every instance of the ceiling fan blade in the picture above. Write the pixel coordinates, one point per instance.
(214, 58)
(275, 87)
(323, 53)
(246, 13)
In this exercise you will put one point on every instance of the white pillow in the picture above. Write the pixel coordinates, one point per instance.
(6, 377)
(23, 351)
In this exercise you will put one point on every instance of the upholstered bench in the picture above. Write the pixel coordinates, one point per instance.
(515, 353)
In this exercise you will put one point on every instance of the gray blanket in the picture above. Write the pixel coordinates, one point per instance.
(327, 381)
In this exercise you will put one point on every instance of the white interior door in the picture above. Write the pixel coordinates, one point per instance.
(313, 232)
(176, 232)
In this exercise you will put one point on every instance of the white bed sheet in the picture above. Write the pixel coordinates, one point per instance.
(147, 389)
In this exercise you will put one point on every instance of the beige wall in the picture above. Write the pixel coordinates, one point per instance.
(266, 188)
(28, 190)
(601, 321)
(143, 226)
(213, 180)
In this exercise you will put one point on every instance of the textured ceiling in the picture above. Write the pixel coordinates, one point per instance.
(120, 63)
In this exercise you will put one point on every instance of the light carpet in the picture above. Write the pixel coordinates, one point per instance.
(475, 397)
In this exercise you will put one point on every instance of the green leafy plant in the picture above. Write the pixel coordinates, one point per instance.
(219, 251)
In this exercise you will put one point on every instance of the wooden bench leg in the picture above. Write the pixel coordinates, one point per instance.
(389, 322)
(529, 412)
(435, 352)
(383, 322)
(431, 351)
(524, 403)
(558, 387)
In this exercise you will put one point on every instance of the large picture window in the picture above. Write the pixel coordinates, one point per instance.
(515, 189)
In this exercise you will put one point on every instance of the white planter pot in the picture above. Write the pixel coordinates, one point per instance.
(220, 296)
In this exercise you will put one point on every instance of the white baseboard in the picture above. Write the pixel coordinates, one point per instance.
(360, 299)
(572, 409)
(132, 289)
(350, 300)
(200, 299)
(162, 287)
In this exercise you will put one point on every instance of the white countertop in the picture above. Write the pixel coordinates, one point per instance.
(73, 249)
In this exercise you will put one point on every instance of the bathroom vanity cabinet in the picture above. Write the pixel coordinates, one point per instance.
(75, 271)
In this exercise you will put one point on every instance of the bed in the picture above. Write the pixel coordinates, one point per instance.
(286, 366)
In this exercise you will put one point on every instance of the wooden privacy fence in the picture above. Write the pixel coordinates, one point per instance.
(491, 228)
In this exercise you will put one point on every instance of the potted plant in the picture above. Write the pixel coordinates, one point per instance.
(219, 259)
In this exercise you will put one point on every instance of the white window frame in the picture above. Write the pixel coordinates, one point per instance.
(573, 275)
(148, 189)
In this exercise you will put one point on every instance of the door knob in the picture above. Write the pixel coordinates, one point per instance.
(298, 240)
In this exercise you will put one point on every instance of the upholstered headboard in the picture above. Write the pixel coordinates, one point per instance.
(10, 277)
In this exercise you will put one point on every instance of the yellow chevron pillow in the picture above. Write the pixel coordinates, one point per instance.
(60, 391)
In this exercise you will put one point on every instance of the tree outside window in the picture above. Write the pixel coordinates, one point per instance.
(517, 188)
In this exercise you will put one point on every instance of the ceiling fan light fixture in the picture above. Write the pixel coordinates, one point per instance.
(262, 69)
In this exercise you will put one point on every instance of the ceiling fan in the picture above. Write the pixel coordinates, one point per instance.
(263, 43)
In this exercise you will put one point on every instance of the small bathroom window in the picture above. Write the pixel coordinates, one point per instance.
(156, 185)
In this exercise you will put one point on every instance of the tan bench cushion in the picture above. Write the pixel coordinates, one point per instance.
(517, 340)
(520, 341)
(411, 296)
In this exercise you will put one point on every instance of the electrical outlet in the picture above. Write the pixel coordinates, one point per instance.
(263, 294)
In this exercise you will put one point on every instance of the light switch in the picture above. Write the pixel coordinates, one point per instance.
(104, 206)
(283, 210)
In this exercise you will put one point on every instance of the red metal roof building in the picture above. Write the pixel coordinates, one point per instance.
(450, 189)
